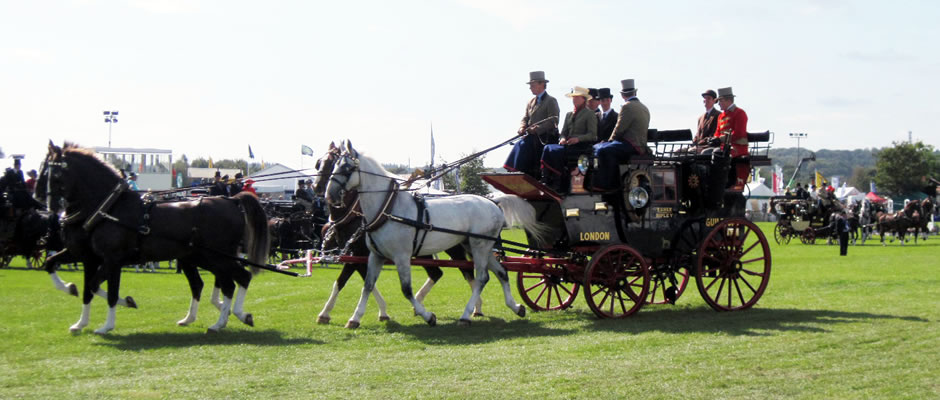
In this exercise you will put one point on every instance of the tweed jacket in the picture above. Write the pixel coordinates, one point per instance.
(707, 124)
(582, 126)
(535, 113)
(633, 125)
(605, 126)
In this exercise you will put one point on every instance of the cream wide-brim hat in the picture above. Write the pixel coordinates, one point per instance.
(579, 91)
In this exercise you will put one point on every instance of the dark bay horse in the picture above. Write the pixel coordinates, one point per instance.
(107, 226)
(900, 222)
(346, 219)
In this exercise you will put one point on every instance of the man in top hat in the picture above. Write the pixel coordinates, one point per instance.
(595, 101)
(302, 196)
(578, 134)
(708, 122)
(732, 132)
(607, 117)
(218, 186)
(539, 125)
(628, 137)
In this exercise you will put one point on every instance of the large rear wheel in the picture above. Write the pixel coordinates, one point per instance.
(616, 282)
(808, 236)
(733, 266)
(543, 292)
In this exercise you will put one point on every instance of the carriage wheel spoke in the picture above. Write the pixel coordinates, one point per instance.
(730, 281)
(539, 297)
(558, 295)
(743, 279)
(720, 287)
(540, 283)
(752, 260)
(565, 289)
(749, 272)
(655, 288)
(740, 296)
(623, 307)
(750, 248)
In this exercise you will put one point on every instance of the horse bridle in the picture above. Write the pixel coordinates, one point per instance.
(348, 165)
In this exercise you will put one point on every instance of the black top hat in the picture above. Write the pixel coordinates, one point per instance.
(133, 175)
(711, 93)
(594, 93)
(301, 182)
(238, 175)
(604, 93)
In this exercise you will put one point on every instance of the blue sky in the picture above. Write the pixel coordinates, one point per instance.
(209, 78)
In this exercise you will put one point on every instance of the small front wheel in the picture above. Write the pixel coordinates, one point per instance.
(616, 282)
(543, 292)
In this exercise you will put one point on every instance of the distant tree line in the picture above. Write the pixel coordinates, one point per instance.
(895, 170)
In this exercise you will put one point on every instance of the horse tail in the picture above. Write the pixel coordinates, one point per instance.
(257, 239)
(519, 212)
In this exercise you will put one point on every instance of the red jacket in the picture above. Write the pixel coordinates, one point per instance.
(734, 122)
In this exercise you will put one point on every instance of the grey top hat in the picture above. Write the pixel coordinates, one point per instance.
(628, 86)
(725, 92)
(537, 76)
(604, 93)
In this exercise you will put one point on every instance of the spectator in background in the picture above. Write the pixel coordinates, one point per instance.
(132, 182)
(31, 182)
(236, 186)
(218, 185)
(248, 186)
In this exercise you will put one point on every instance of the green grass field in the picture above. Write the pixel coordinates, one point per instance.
(862, 326)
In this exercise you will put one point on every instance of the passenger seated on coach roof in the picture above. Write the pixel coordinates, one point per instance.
(731, 134)
(539, 125)
(628, 138)
(577, 136)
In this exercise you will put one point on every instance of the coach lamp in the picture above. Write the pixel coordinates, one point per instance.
(638, 197)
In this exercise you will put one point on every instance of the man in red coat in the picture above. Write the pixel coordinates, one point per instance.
(732, 132)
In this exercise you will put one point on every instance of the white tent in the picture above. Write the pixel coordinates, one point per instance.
(758, 200)
(849, 194)
(757, 190)
(276, 179)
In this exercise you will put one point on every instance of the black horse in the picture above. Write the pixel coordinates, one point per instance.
(32, 233)
(346, 219)
(107, 226)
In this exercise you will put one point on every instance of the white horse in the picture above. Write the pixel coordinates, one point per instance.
(392, 240)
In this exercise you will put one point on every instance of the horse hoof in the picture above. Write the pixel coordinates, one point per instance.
(323, 320)
(463, 322)
(478, 314)
(521, 311)
(249, 320)
(102, 332)
(416, 312)
(73, 290)
(433, 320)
(384, 318)
(352, 325)
(183, 323)
(211, 331)
(130, 302)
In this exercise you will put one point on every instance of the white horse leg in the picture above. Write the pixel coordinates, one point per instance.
(475, 289)
(383, 309)
(404, 276)
(372, 275)
(223, 315)
(125, 302)
(503, 278)
(238, 310)
(478, 307)
(425, 289)
(83, 320)
(68, 288)
(191, 315)
(109, 323)
(324, 316)
(215, 298)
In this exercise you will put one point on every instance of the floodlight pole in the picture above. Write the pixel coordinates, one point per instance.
(110, 117)
(797, 136)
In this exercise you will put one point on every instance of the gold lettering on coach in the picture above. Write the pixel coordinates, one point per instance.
(710, 222)
(594, 236)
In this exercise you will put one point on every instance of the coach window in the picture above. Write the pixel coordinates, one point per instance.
(664, 186)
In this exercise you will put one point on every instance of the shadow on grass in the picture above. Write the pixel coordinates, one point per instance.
(753, 322)
(162, 340)
(482, 330)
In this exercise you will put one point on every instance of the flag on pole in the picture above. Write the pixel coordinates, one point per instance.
(306, 150)
(251, 154)
(432, 145)
(210, 162)
(871, 187)
(820, 180)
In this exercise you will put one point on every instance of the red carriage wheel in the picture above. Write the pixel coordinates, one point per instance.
(616, 282)
(39, 259)
(733, 266)
(543, 292)
(669, 282)
(808, 236)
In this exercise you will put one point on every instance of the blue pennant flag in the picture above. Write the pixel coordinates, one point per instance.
(251, 154)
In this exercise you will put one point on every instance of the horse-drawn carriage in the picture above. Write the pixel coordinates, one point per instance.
(293, 230)
(676, 217)
(806, 219)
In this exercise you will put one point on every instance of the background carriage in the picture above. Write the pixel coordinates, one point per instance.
(806, 219)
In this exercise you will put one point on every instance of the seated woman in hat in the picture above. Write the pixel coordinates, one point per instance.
(577, 136)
